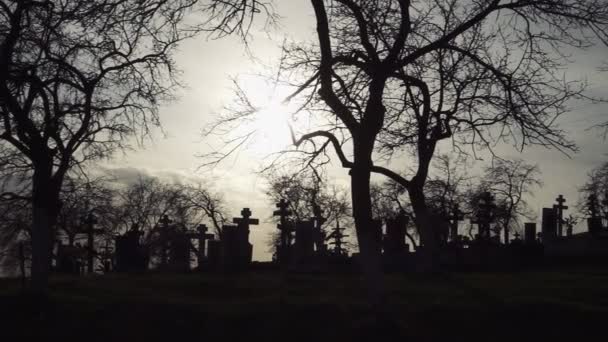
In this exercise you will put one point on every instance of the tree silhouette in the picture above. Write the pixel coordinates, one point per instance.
(77, 78)
(398, 77)
(510, 181)
(596, 188)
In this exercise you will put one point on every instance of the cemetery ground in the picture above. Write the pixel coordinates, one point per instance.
(539, 305)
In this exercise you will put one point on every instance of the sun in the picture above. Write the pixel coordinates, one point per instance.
(267, 129)
(271, 126)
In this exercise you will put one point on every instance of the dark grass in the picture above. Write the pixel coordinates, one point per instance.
(540, 306)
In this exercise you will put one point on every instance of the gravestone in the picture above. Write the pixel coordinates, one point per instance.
(283, 250)
(549, 225)
(485, 216)
(594, 221)
(130, 255)
(559, 214)
(106, 255)
(68, 259)
(202, 237)
(305, 241)
(529, 232)
(319, 234)
(237, 252)
(89, 221)
(164, 222)
(214, 254)
(394, 239)
(455, 216)
(232, 248)
(337, 240)
(179, 252)
(243, 224)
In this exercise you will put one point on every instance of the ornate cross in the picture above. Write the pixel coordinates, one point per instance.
(245, 220)
(559, 210)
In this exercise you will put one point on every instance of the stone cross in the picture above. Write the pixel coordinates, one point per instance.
(484, 215)
(337, 237)
(106, 256)
(592, 205)
(455, 216)
(318, 216)
(283, 213)
(605, 200)
(22, 265)
(89, 222)
(165, 221)
(245, 220)
(202, 238)
(559, 210)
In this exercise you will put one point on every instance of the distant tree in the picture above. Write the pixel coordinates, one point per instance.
(388, 79)
(447, 184)
(79, 77)
(398, 77)
(304, 191)
(510, 182)
(595, 187)
(389, 200)
(80, 196)
(209, 205)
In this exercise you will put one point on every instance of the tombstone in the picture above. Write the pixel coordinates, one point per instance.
(594, 222)
(529, 232)
(106, 255)
(202, 237)
(89, 222)
(549, 224)
(337, 236)
(243, 235)
(516, 239)
(67, 259)
(455, 216)
(559, 213)
(179, 252)
(305, 241)
(485, 216)
(594, 225)
(164, 222)
(21, 256)
(319, 235)
(284, 245)
(130, 255)
(214, 254)
(394, 239)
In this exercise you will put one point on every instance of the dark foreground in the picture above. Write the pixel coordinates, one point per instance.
(540, 306)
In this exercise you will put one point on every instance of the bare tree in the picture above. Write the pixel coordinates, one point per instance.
(594, 194)
(304, 191)
(388, 80)
(209, 204)
(78, 77)
(511, 181)
(397, 77)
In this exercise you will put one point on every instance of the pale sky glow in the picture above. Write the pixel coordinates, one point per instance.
(207, 67)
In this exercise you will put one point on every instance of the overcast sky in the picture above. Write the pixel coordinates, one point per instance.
(207, 66)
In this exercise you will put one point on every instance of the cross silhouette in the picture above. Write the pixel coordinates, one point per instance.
(592, 205)
(245, 220)
(165, 221)
(89, 222)
(559, 209)
(455, 216)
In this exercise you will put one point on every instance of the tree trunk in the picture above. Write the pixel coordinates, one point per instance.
(45, 206)
(429, 237)
(368, 236)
